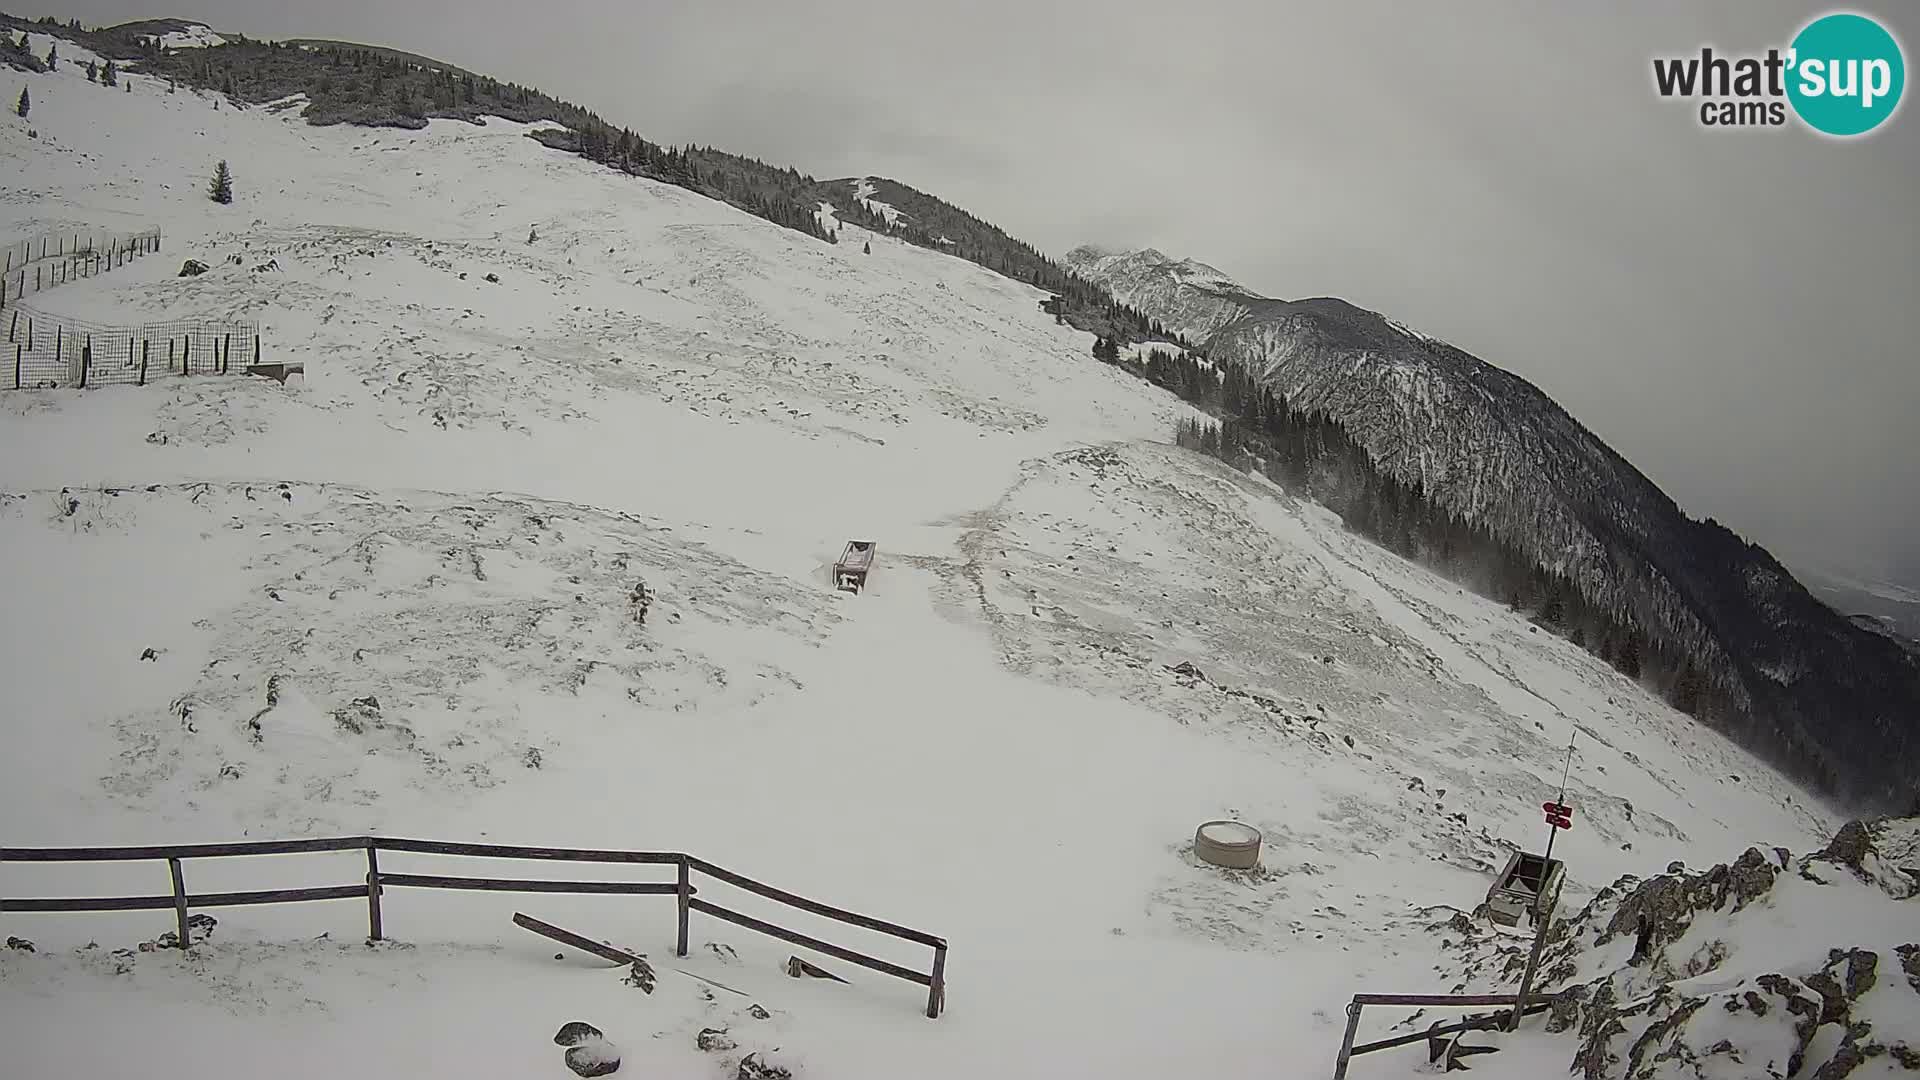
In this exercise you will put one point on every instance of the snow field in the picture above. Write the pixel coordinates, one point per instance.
(449, 514)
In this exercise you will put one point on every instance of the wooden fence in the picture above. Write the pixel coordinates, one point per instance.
(682, 888)
(46, 262)
(1348, 1051)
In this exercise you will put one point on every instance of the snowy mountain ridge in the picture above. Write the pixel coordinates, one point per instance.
(1818, 695)
(1187, 297)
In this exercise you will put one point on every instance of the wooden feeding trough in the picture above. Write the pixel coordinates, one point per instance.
(1522, 885)
(278, 370)
(850, 573)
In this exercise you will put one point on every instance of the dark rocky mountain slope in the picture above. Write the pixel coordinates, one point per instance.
(1747, 648)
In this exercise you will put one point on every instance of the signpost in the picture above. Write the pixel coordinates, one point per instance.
(1560, 816)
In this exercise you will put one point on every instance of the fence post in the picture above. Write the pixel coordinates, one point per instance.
(937, 990)
(13, 324)
(226, 361)
(179, 900)
(685, 895)
(1346, 1043)
(186, 353)
(16, 366)
(373, 891)
(170, 355)
(86, 361)
(256, 350)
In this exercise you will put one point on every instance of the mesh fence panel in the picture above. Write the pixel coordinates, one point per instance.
(44, 352)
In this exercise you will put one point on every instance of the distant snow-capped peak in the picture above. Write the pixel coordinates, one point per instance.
(1094, 261)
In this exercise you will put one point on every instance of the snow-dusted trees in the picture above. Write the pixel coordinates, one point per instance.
(24, 105)
(109, 75)
(221, 190)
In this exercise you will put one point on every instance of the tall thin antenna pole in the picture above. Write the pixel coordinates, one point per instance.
(1540, 912)
(1553, 831)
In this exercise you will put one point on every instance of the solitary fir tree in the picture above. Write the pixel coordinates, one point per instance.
(109, 75)
(866, 248)
(222, 187)
(53, 57)
(24, 105)
(93, 72)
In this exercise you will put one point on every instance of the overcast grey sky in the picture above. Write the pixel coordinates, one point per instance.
(1736, 312)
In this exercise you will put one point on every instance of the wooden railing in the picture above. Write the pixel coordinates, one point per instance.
(1348, 1051)
(682, 888)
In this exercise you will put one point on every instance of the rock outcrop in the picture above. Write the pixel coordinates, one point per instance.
(1767, 966)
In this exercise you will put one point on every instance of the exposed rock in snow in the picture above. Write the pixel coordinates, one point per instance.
(640, 975)
(1730, 981)
(752, 1067)
(593, 1057)
(575, 1032)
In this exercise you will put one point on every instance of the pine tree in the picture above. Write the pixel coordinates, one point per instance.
(24, 105)
(221, 190)
(109, 75)
(93, 72)
(865, 249)
(53, 57)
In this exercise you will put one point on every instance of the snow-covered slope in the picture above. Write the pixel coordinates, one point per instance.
(1816, 694)
(863, 193)
(396, 597)
(191, 36)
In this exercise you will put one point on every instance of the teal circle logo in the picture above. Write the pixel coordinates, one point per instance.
(1846, 74)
